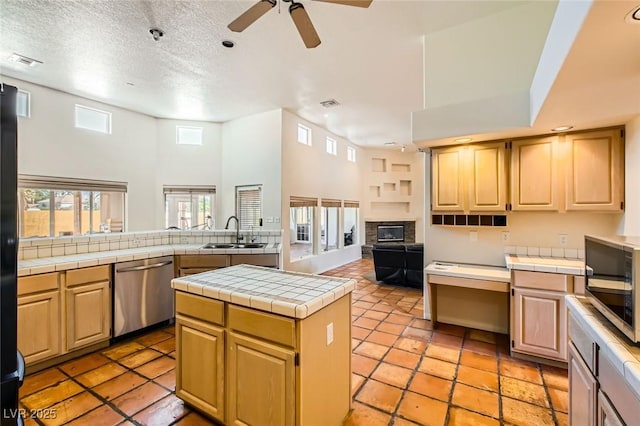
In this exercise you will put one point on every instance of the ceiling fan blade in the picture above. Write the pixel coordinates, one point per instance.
(357, 3)
(251, 15)
(303, 24)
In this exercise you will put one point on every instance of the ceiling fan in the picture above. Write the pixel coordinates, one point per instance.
(298, 14)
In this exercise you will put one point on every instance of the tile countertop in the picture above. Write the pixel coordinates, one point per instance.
(478, 272)
(62, 263)
(292, 294)
(624, 356)
(545, 264)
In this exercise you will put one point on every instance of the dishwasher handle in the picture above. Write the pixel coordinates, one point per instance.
(145, 267)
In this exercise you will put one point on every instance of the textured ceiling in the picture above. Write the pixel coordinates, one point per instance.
(370, 60)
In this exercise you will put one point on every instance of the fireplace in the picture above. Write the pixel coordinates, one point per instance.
(390, 233)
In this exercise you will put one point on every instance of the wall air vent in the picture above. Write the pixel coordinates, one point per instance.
(329, 103)
(24, 60)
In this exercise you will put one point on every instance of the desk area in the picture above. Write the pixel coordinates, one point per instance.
(478, 294)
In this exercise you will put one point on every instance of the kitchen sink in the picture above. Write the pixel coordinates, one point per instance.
(216, 246)
(250, 245)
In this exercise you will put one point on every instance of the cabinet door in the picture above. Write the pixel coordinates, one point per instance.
(487, 178)
(534, 176)
(447, 179)
(39, 326)
(607, 415)
(539, 323)
(595, 172)
(582, 391)
(261, 383)
(88, 314)
(200, 365)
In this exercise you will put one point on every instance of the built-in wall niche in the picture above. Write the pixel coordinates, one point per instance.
(387, 207)
(400, 167)
(379, 165)
(389, 186)
(405, 187)
(374, 191)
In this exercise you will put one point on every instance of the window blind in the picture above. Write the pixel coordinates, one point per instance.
(303, 202)
(326, 202)
(249, 205)
(189, 189)
(70, 184)
(355, 204)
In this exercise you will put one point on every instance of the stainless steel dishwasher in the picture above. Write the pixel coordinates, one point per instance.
(142, 294)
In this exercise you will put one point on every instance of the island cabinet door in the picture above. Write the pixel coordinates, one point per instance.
(260, 383)
(200, 365)
(583, 389)
(539, 323)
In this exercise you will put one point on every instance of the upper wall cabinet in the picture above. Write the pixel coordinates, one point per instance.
(469, 178)
(595, 171)
(534, 174)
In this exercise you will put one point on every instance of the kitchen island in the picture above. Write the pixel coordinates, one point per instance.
(259, 346)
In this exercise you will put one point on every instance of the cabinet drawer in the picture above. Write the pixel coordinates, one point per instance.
(203, 261)
(255, 259)
(199, 307)
(183, 272)
(542, 281)
(583, 343)
(87, 275)
(37, 283)
(271, 327)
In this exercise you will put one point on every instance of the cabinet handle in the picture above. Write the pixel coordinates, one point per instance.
(595, 350)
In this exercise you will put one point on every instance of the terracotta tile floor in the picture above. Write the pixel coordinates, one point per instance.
(404, 373)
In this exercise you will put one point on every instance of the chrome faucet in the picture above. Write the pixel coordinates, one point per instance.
(237, 227)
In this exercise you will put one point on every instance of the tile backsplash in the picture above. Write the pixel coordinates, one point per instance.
(35, 248)
(566, 253)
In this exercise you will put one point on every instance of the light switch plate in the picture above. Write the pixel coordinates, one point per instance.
(329, 333)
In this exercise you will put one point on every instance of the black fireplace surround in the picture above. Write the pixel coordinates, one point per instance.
(399, 264)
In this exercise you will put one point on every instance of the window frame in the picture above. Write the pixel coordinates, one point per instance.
(242, 221)
(308, 140)
(191, 128)
(332, 146)
(27, 96)
(190, 191)
(95, 110)
(351, 154)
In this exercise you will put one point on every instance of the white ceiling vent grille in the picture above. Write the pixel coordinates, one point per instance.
(24, 60)
(329, 103)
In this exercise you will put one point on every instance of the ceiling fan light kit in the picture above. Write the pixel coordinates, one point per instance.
(298, 14)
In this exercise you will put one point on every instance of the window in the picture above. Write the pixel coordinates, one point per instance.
(188, 135)
(93, 119)
(301, 211)
(189, 207)
(350, 222)
(351, 154)
(332, 146)
(249, 205)
(330, 212)
(52, 207)
(304, 134)
(23, 104)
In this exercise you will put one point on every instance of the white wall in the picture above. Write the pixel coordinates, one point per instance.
(309, 171)
(187, 164)
(50, 145)
(251, 155)
(631, 223)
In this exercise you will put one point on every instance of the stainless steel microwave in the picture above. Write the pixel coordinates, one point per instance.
(612, 280)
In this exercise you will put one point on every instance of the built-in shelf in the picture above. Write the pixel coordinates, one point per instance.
(378, 165)
(405, 187)
(400, 167)
(374, 191)
(389, 186)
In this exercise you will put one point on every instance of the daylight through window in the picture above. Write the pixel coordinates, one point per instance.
(189, 207)
(249, 206)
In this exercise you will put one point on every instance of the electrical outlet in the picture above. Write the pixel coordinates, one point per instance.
(473, 236)
(276, 219)
(270, 219)
(505, 237)
(564, 239)
(329, 333)
(184, 240)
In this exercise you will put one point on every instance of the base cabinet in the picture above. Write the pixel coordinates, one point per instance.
(39, 334)
(584, 389)
(261, 382)
(200, 365)
(607, 415)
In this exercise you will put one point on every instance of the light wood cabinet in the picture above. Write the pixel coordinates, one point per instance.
(261, 382)
(469, 178)
(538, 314)
(534, 174)
(194, 264)
(607, 415)
(88, 306)
(200, 365)
(595, 171)
(584, 388)
(39, 317)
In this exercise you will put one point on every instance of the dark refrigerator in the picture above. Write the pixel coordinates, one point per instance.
(11, 362)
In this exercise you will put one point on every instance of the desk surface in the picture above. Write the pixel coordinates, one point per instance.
(461, 270)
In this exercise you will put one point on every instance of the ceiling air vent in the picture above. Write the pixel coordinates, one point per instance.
(24, 60)
(329, 103)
